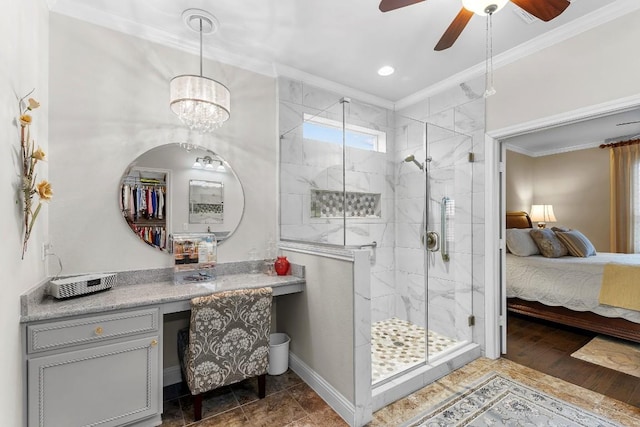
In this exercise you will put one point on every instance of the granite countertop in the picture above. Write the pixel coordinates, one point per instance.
(37, 305)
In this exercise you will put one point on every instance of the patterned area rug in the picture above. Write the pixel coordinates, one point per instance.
(499, 401)
(398, 344)
(612, 353)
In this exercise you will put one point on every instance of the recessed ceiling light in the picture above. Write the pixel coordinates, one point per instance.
(387, 70)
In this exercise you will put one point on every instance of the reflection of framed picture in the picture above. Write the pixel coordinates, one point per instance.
(206, 202)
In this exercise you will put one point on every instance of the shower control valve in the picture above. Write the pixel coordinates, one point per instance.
(433, 241)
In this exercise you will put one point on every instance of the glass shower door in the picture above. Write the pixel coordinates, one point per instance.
(449, 262)
(311, 173)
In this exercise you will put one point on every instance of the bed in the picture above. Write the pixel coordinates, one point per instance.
(565, 290)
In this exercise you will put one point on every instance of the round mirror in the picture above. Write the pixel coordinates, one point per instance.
(180, 188)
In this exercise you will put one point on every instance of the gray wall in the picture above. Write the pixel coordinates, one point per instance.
(24, 29)
(519, 182)
(110, 104)
(320, 320)
(575, 183)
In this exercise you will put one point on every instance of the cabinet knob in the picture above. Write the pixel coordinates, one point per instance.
(99, 330)
(154, 343)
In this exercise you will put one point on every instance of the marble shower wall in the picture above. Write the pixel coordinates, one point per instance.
(454, 121)
(307, 165)
(455, 127)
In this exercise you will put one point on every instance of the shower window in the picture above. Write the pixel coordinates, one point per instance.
(326, 130)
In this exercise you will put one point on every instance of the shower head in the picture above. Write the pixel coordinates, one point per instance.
(412, 158)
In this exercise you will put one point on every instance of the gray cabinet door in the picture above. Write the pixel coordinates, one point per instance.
(108, 385)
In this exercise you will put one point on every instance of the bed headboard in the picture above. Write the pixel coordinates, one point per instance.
(518, 219)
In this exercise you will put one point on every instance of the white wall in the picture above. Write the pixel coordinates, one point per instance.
(591, 68)
(24, 66)
(110, 96)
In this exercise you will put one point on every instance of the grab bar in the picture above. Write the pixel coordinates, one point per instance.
(373, 245)
(446, 211)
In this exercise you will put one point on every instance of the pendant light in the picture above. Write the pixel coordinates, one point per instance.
(201, 103)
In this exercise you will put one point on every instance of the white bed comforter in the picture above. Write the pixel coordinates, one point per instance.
(568, 281)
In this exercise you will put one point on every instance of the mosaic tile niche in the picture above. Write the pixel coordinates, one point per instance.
(328, 204)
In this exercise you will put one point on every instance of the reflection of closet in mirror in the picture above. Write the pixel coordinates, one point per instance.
(143, 203)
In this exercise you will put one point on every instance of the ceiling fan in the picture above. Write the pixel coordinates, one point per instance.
(545, 10)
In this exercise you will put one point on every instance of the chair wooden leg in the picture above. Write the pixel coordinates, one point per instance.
(262, 385)
(197, 407)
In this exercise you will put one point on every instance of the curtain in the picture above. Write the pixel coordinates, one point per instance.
(625, 197)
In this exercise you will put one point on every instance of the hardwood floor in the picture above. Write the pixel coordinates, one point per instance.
(547, 347)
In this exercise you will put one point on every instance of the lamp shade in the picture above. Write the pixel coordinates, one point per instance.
(201, 103)
(483, 7)
(542, 213)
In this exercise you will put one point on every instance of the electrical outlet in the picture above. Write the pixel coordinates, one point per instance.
(46, 248)
(185, 226)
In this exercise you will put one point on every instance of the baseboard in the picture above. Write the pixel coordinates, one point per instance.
(333, 397)
(171, 375)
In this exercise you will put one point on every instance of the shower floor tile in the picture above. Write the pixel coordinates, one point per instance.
(397, 345)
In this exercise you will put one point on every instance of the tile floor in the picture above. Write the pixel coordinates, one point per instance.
(398, 344)
(290, 402)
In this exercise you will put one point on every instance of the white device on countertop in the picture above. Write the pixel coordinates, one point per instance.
(80, 285)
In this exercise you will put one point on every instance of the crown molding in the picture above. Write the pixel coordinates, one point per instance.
(519, 150)
(580, 114)
(548, 39)
(295, 74)
(82, 11)
(113, 22)
(561, 150)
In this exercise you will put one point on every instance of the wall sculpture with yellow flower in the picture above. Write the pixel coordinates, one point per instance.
(30, 158)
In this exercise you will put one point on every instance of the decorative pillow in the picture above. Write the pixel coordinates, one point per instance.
(577, 243)
(550, 246)
(520, 243)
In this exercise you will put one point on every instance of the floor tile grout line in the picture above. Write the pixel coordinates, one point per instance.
(307, 414)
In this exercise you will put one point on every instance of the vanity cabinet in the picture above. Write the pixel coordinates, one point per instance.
(99, 370)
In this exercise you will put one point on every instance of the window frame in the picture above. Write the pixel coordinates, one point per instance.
(380, 145)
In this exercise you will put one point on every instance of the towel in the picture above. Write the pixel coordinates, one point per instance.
(621, 286)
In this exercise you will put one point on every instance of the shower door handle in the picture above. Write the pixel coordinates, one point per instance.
(433, 241)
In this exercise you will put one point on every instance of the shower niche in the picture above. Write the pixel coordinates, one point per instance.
(335, 204)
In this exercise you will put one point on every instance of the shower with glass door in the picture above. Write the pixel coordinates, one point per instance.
(361, 176)
(431, 307)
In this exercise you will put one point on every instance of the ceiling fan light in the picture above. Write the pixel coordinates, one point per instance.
(483, 7)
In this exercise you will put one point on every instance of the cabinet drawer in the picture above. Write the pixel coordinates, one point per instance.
(66, 333)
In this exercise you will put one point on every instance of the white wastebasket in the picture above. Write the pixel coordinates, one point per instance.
(278, 353)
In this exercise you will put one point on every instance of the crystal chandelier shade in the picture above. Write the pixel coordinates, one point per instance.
(201, 103)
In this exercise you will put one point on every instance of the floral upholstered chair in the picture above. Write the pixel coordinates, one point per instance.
(226, 342)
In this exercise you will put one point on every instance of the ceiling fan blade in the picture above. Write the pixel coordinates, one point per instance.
(387, 5)
(545, 10)
(453, 32)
